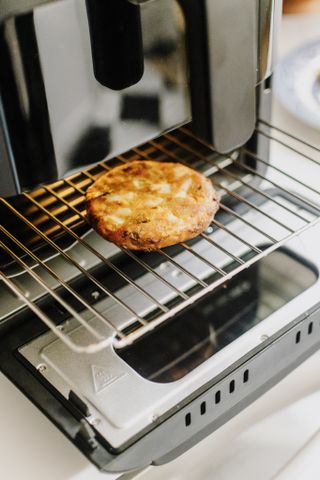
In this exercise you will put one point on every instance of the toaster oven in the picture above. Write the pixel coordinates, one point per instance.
(137, 356)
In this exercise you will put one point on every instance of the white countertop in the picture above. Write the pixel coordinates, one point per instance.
(255, 444)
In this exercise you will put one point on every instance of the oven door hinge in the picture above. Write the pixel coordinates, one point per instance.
(86, 436)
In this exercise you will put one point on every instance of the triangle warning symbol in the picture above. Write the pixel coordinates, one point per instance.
(102, 377)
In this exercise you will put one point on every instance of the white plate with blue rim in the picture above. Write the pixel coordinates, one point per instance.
(297, 83)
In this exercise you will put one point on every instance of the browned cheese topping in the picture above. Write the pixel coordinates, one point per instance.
(146, 205)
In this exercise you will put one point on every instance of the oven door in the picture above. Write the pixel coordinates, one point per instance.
(206, 365)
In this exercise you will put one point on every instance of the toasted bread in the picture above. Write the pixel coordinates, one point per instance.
(147, 205)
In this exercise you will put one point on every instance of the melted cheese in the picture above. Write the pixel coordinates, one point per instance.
(119, 197)
(186, 185)
(154, 202)
(161, 187)
(114, 219)
(172, 218)
(136, 183)
(184, 189)
(181, 194)
(124, 211)
(179, 172)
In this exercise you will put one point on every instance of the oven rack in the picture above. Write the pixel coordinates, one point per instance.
(41, 229)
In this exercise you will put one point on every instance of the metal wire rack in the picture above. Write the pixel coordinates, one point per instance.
(51, 260)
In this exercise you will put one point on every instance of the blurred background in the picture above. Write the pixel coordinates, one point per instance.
(301, 6)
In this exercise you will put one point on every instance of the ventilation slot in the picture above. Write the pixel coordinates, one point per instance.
(298, 337)
(310, 328)
(203, 408)
(245, 376)
(232, 386)
(218, 397)
(188, 419)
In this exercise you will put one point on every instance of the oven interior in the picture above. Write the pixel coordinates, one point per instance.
(223, 316)
(75, 306)
(49, 252)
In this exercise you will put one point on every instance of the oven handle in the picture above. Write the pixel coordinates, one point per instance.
(116, 42)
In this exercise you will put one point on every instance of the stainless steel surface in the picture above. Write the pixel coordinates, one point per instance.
(60, 112)
(233, 70)
(179, 278)
(270, 12)
(68, 118)
(103, 379)
(78, 103)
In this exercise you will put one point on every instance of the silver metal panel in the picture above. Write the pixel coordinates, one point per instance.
(232, 34)
(73, 120)
(266, 20)
(103, 380)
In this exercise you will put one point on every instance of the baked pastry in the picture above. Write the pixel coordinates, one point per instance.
(146, 205)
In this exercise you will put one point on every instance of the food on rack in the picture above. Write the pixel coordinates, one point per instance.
(147, 205)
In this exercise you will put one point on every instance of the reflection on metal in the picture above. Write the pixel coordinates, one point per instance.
(52, 244)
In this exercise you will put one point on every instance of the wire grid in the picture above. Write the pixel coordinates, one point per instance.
(52, 218)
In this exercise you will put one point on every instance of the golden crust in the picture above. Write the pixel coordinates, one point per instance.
(146, 205)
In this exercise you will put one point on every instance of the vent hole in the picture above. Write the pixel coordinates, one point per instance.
(310, 328)
(203, 408)
(218, 397)
(298, 337)
(232, 386)
(245, 376)
(267, 84)
(188, 419)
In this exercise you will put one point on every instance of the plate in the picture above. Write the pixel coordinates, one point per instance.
(297, 83)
